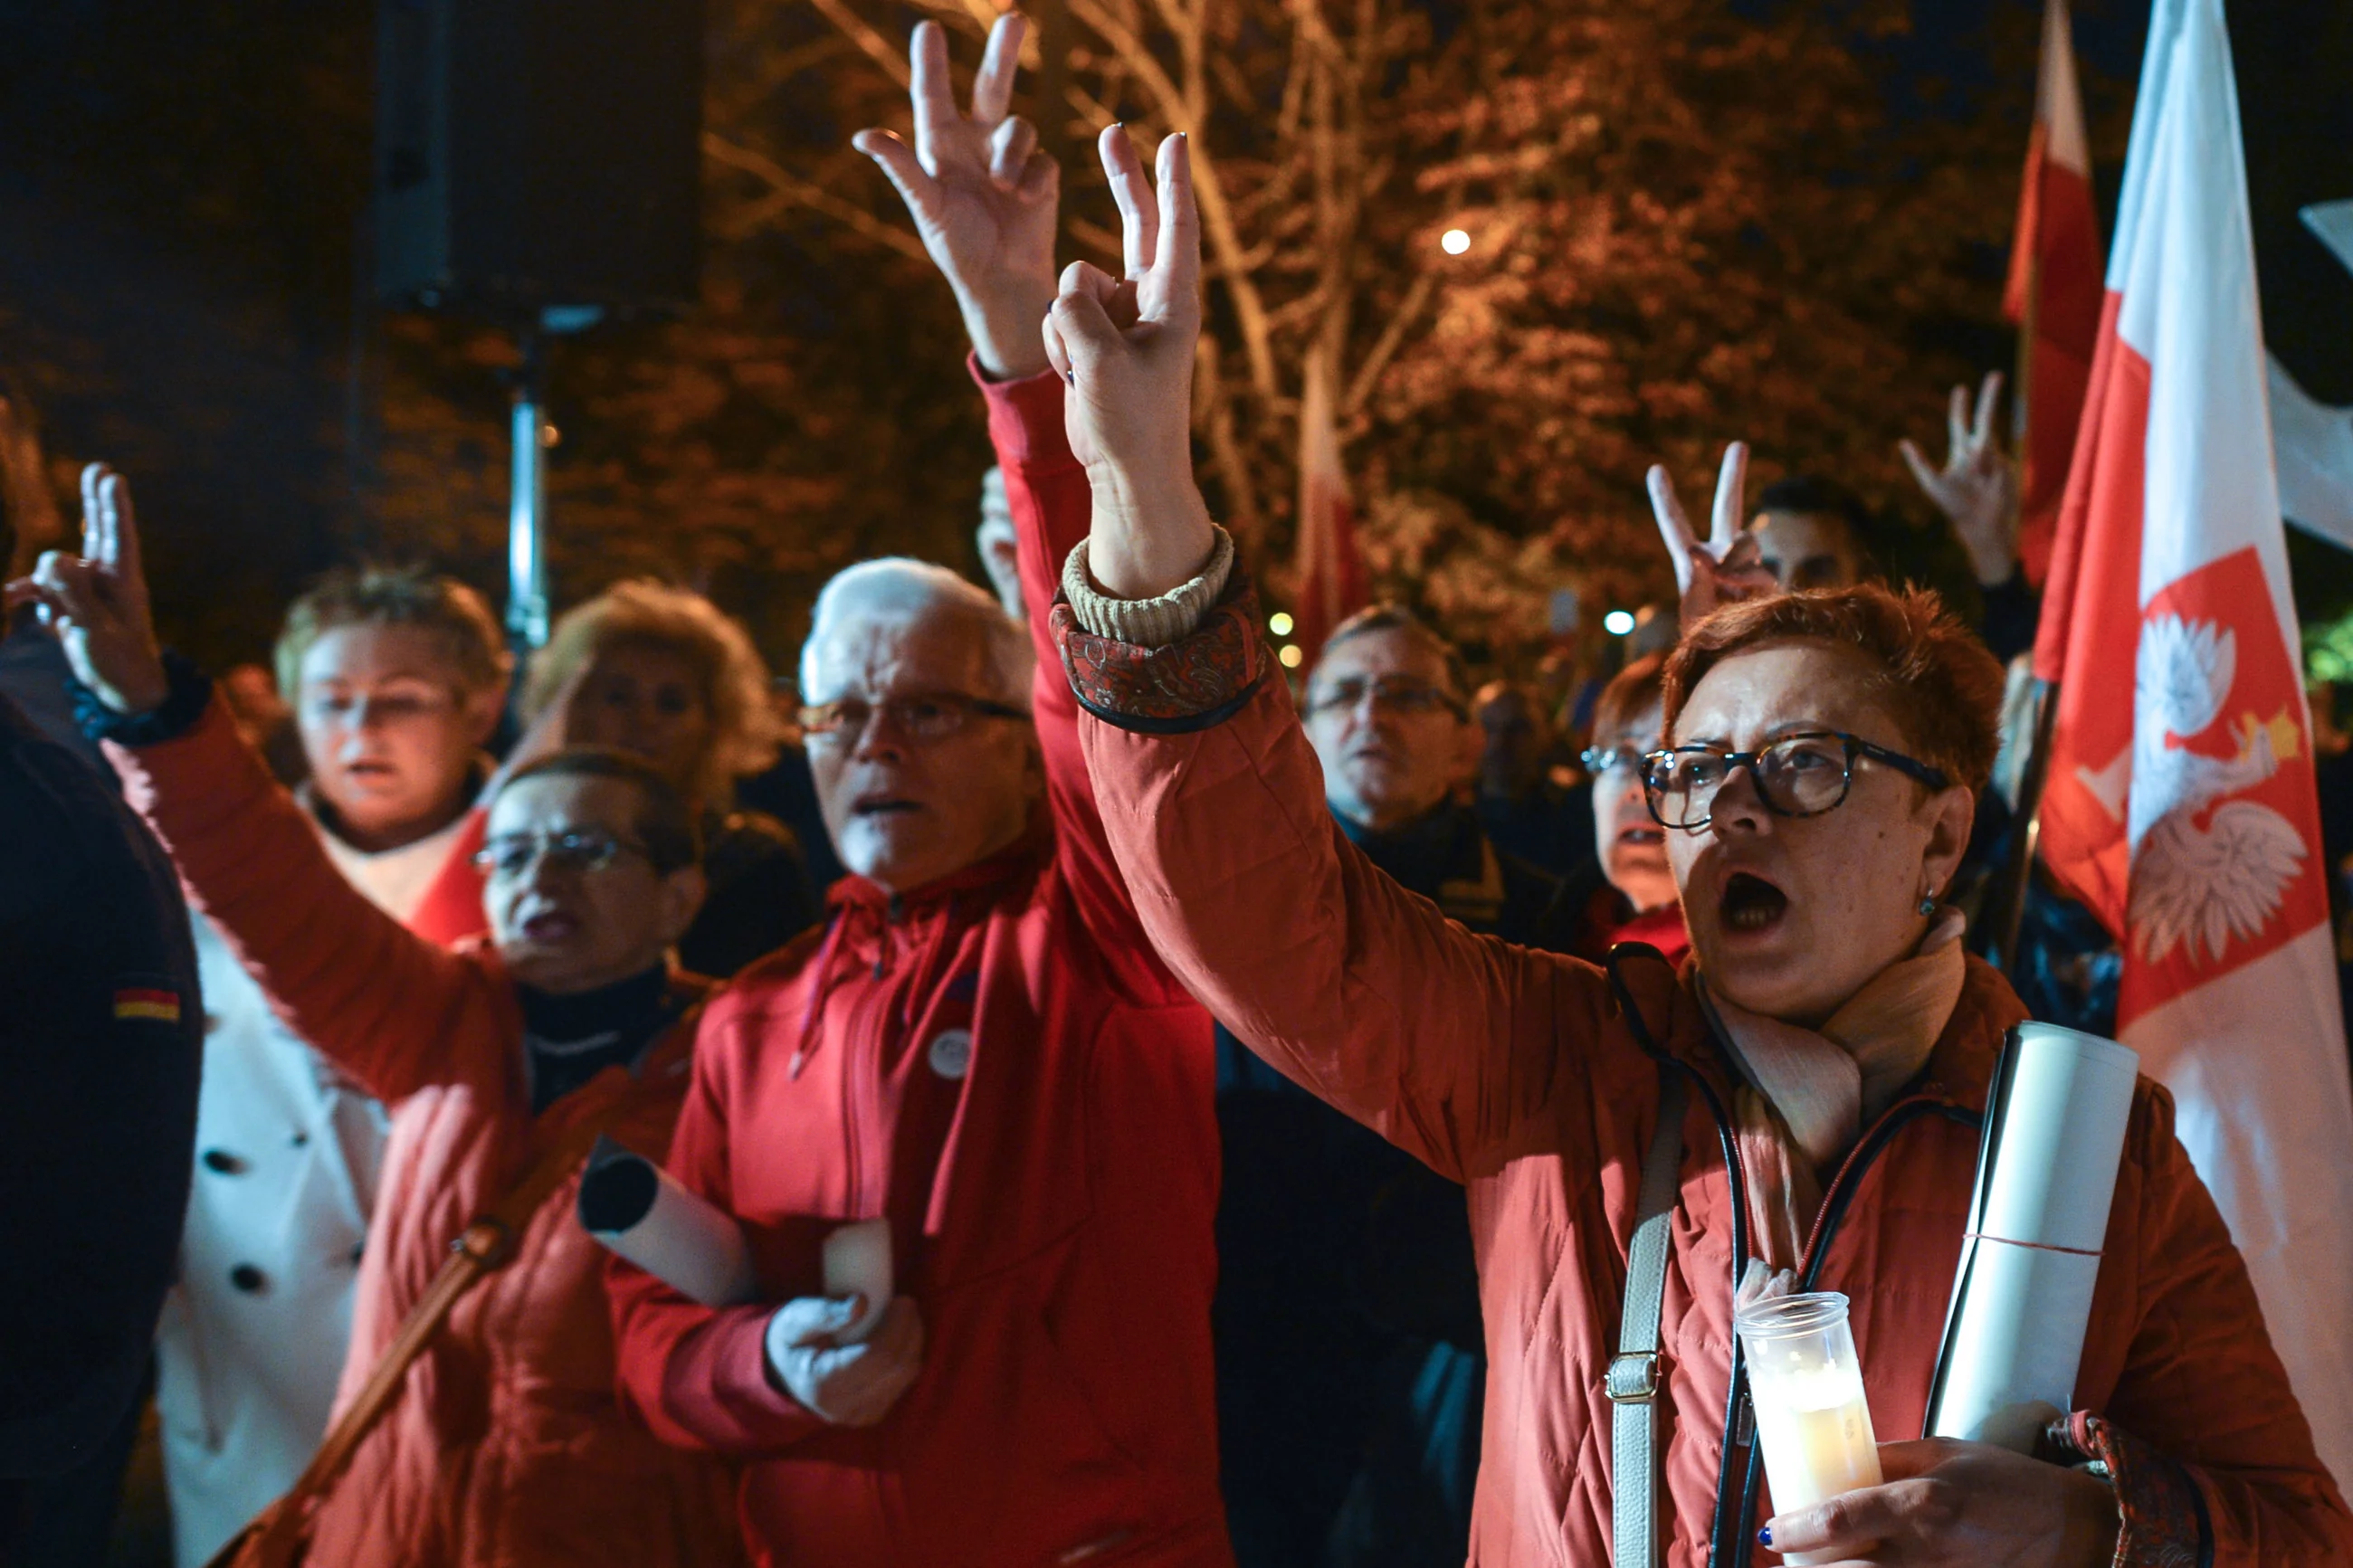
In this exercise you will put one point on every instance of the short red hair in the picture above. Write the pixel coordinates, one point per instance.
(1935, 675)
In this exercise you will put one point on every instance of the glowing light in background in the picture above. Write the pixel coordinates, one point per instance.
(1290, 656)
(1617, 623)
(1280, 622)
(1454, 241)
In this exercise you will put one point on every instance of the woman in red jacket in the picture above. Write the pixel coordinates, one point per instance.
(506, 1445)
(1831, 1043)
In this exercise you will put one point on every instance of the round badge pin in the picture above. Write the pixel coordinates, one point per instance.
(951, 1053)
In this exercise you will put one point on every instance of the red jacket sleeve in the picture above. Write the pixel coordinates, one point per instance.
(396, 1011)
(696, 1375)
(1456, 1047)
(1053, 507)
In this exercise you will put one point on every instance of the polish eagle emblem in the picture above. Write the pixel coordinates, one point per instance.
(2202, 873)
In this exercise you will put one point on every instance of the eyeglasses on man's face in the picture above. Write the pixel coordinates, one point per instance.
(508, 856)
(923, 716)
(1797, 775)
(1397, 693)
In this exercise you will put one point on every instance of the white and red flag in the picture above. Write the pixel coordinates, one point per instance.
(2180, 801)
(2054, 293)
(1331, 570)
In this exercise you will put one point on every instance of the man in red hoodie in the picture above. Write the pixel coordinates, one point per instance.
(979, 1047)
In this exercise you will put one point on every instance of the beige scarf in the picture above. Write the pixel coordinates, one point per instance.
(1810, 1094)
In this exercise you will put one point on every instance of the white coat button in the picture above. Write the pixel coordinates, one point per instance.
(248, 1279)
(221, 1162)
(951, 1053)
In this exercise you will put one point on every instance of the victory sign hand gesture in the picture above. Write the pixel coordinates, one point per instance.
(1725, 568)
(98, 601)
(1977, 490)
(981, 195)
(1124, 346)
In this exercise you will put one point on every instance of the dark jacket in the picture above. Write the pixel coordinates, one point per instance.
(101, 1034)
(1349, 1365)
(761, 896)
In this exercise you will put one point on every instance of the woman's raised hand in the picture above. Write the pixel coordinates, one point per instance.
(1124, 346)
(1726, 567)
(97, 601)
(981, 195)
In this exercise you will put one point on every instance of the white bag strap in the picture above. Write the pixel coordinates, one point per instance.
(1633, 1381)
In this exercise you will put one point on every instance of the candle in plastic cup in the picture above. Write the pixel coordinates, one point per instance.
(1805, 1384)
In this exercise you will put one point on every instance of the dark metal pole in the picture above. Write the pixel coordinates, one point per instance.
(2006, 907)
(527, 612)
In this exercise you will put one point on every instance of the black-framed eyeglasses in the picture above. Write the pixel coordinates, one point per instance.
(508, 856)
(1797, 775)
(923, 716)
(1389, 692)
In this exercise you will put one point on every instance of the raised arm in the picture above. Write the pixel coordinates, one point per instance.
(379, 1000)
(984, 200)
(1446, 1043)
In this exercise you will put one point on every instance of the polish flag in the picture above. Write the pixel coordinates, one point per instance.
(1331, 571)
(2053, 294)
(2187, 817)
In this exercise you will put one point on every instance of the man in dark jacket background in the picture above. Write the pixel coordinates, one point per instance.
(101, 1034)
(1350, 1363)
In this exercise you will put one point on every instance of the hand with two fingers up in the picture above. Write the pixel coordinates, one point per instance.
(97, 601)
(1947, 1504)
(981, 195)
(845, 1382)
(1126, 346)
(1726, 567)
(1977, 490)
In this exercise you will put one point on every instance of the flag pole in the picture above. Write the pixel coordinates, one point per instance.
(2006, 901)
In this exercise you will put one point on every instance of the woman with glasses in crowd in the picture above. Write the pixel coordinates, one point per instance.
(1627, 892)
(1829, 1048)
(506, 1444)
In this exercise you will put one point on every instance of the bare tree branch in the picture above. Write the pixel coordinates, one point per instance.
(877, 47)
(788, 189)
(1217, 217)
(1385, 348)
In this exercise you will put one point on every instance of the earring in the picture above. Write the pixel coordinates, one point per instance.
(1927, 903)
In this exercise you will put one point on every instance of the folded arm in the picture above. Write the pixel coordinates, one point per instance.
(698, 1375)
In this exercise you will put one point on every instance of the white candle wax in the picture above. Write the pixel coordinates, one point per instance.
(1815, 1428)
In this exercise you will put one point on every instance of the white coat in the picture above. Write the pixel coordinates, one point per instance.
(252, 1338)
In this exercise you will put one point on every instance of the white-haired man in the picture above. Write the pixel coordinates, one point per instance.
(981, 1048)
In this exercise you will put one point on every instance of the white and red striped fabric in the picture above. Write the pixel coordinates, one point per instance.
(2054, 293)
(2180, 802)
(1331, 570)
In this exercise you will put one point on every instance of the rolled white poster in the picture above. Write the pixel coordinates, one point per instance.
(638, 1209)
(2054, 1132)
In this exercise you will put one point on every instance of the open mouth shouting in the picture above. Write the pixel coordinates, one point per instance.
(1750, 905)
(880, 805)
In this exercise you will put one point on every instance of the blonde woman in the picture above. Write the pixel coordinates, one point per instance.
(663, 673)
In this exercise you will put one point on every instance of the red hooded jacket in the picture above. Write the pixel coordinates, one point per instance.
(998, 1064)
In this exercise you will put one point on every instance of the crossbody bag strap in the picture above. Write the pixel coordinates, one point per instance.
(1633, 1381)
(485, 1247)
